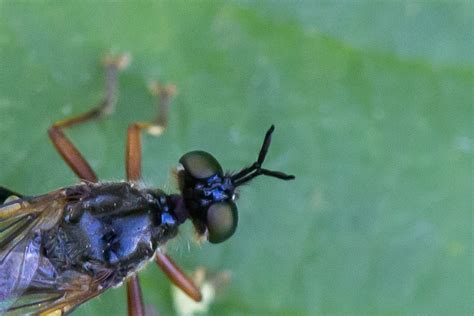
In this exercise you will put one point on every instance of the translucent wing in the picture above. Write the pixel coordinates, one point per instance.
(17, 269)
(21, 222)
(29, 284)
(60, 294)
(22, 218)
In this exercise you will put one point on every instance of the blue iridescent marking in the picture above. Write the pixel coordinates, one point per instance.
(166, 218)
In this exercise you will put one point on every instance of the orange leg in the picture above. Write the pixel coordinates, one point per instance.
(83, 170)
(79, 164)
(134, 297)
(133, 153)
(177, 276)
(64, 146)
(133, 171)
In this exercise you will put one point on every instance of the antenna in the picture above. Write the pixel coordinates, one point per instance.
(255, 170)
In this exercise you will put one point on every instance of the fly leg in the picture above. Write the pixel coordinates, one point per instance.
(157, 127)
(64, 146)
(133, 170)
(177, 276)
(134, 297)
(79, 165)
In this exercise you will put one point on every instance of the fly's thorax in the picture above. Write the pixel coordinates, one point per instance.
(113, 224)
(117, 199)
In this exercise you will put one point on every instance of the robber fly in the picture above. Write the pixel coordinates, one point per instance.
(60, 249)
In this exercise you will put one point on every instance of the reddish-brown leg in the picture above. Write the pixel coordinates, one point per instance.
(64, 146)
(133, 170)
(177, 276)
(81, 167)
(71, 155)
(134, 297)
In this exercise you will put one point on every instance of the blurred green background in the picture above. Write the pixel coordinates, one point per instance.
(373, 107)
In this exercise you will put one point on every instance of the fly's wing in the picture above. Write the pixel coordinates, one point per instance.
(21, 221)
(29, 283)
(59, 295)
(17, 270)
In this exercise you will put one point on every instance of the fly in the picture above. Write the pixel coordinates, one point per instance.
(60, 249)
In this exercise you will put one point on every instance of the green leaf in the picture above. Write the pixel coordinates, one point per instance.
(372, 104)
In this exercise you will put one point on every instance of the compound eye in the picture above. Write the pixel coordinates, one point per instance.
(222, 221)
(200, 164)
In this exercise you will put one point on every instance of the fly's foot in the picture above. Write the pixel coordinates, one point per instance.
(211, 285)
(119, 62)
(164, 94)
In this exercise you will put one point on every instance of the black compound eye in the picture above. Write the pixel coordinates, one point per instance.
(222, 221)
(200, 164)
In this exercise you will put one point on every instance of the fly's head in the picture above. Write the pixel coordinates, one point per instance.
(209, 193)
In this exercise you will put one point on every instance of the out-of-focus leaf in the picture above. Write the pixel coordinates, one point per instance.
(373, 109)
